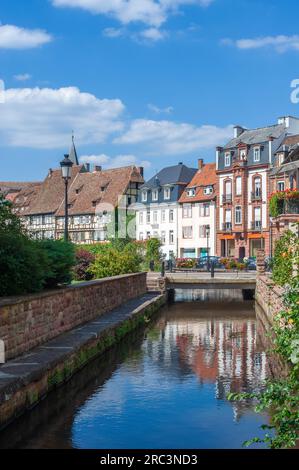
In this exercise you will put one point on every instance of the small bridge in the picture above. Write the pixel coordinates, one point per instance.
(200, 280)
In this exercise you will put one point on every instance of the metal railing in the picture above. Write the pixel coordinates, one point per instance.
(227, 227)
(226, 198)
(256, 196)
(256, 225)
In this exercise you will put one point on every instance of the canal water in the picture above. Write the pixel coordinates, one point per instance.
(165, 387)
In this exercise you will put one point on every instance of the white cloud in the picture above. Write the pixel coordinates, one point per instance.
(280, 43)
(114, 32)
(114, 162)
(152, 34)
(44, 118)
(155, 109)
(13, 37)
(23, 77)
(170, 138)
(150, 12)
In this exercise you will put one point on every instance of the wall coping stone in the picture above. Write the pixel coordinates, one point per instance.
(13, 300)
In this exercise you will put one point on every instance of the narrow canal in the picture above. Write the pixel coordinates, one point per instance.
(163, 388)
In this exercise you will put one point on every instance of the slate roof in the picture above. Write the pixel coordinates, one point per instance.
(177, 174)
(257, 136)
(204, 177)
(290, 141)
(73, 154)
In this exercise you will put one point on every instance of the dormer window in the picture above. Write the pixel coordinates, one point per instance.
(227, 159)
(191, 192)
(280, 159)
(243, 155)
(144, 196)
(208, 190)
(155, 195)
(166, 193)
(256, 154)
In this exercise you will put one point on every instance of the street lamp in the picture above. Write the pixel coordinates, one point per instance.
(208, 256)
(66, 170)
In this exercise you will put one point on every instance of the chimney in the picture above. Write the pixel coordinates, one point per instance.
(97, 168)
(238, 130)
(141, 171)
(50, 172)
(200, 163)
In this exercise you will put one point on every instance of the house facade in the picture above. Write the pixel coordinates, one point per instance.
(157, 208)
(284, 184)
(197, 214)
(243, 166)
(97, 201)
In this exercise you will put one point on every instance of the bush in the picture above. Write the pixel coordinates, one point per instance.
(187, 263)
(286, 258)
(60, 259)
(84, 260)
(113, 263)
(22, 265)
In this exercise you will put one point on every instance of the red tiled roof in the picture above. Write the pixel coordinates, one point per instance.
(101, 187)
(51, 193)
(206, 176)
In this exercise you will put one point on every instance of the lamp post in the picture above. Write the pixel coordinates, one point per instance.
(208, 256)
(66, 170)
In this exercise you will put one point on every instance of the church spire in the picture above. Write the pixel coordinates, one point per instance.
(73, 153)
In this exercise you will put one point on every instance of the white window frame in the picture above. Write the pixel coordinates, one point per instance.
(281, 183)
(155, 195)
(163, 215)
(227, 159)
(171, 237)
(171, 216)
(187, 211)
(144, 196)
(191, 192)
(208, 190)
(141, 218)
(256, 154)
(238, 209)
(187, 232)
(238, 186)
(167, 193)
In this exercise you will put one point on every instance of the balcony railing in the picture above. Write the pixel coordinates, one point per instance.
(227, 227)
(256, 225)
(256, 196)
(288, 206)
(227, 198)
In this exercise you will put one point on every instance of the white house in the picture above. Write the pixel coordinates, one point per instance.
(157, 209)
(197, 214)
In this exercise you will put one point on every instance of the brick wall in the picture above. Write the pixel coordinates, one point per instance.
(28, 321)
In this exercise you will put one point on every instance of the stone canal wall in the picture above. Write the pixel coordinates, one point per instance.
(32, 320)
(269, 297)
(25, 381)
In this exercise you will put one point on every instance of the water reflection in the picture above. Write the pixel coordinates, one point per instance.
(165, 390)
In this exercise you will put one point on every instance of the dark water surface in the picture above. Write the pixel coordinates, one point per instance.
(163, 388)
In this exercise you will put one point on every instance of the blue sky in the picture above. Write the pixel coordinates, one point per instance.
(150, 82)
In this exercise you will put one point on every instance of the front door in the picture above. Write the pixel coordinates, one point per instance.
(242, 253)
